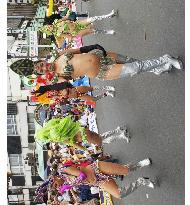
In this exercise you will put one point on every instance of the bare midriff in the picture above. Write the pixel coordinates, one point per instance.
(83, 64)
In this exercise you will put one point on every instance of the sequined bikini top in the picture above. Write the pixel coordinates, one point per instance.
(68, 69)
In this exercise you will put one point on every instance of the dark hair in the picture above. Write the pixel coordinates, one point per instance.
(51, 160)
(54, 166)
(55, 87)
(48, 146)
(48, 20)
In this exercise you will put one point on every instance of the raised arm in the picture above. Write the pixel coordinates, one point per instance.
(74, 51)
(85, 49)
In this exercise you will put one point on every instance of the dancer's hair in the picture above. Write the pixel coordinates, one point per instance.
(54, 87)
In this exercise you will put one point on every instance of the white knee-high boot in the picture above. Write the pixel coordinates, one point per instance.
(100, 18)
(113, 135)
(99, 31)
(143, 163)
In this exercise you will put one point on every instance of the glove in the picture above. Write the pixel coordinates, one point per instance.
(86, 49)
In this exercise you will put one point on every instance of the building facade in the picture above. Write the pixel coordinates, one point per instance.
(14, 2)
(22, 160)
(23, 22)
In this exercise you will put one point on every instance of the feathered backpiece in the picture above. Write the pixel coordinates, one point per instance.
(59, 130)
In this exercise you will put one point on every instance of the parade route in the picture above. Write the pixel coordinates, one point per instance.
(152, 106)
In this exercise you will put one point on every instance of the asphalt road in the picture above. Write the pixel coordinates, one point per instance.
(152, 106)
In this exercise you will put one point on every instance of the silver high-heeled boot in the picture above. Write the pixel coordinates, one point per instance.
(141, 181)
(99, 31)
(118, 133)
(100, 18)
(157, 66)
(171, 63)
(138, 165)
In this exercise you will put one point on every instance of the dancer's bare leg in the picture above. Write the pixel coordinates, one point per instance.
(120, 192)
(85, 22)
(119, 58)
(85, 89)
(112, 188)
(114, 72)
(97, 97)
(93, 137)
(112, 55)
(76, 91)
(110, 168)
(117, 169)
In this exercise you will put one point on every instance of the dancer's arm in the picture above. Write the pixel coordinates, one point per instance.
(84, 49)
(74, 51)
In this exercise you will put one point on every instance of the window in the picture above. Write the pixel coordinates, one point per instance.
(30, 117)
(11, 109)
(14, 144)
(16, 191)
(11, 125)
(31, 132)
(31, 139)
(31, 126)
(32, 193)
(16, 164)
(24, 49)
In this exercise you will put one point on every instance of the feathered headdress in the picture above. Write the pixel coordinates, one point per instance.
(23, 67)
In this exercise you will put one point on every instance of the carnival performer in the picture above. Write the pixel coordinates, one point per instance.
(65, 14)
(94, 62)
(66, 90)
(101, 174)
(72, 133)
(64, 28)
